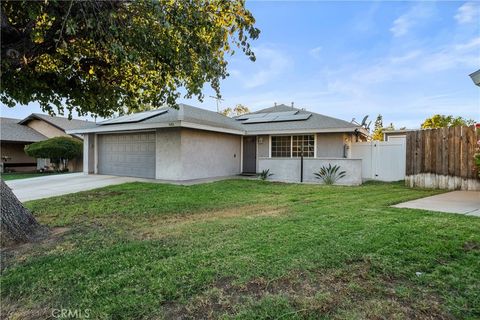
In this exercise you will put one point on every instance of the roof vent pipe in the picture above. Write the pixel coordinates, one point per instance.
(274, 104)
(292, 104)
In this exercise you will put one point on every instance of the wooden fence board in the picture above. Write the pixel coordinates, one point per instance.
(458, 151)
(444, 151)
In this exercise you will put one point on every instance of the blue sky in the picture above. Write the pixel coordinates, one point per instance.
(405, 60)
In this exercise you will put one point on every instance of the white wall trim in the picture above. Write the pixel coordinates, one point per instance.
(269, 146)
(241, 154)
(95, 161)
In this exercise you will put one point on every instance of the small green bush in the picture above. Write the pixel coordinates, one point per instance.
(265, 174)
(330, 174)
(58, 149)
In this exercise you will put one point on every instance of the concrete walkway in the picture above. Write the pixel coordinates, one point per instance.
(56, 185)
(462, 202)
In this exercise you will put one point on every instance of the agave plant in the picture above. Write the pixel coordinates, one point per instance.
(265, 174)
(330, 174)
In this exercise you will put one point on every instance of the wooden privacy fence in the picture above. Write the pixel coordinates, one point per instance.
(442, 158)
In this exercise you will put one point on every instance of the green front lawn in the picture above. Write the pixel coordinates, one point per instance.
(246, 249)
(24, 175)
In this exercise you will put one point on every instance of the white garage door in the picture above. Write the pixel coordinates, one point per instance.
(131, 154)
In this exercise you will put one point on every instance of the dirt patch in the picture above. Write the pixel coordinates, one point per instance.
(471, 246)
(14, 311)
(353, 292)
(20, 252)
(160, 226)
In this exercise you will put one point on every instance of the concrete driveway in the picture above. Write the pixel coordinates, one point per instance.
(463, 202)
(55, 185)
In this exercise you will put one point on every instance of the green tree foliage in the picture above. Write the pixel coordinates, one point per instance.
(237, 111)
(378, 129)
(444, 121)
(58, 149)
(102, 57)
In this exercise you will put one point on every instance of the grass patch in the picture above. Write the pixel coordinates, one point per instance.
(25, 175)
(246, 249)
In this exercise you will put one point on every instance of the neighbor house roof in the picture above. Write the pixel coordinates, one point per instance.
(192, 117)
(11, 130)
(58, 122)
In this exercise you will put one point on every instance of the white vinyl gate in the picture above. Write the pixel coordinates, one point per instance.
(381, 160)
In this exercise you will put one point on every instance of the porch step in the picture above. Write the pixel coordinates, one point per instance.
(247, 174)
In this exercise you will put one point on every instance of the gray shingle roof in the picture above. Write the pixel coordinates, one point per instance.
(194, 115)
(59, 122)
(188, 114)
(315, 122)
(11, 130)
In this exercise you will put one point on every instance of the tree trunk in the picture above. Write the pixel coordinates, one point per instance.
(17, 223)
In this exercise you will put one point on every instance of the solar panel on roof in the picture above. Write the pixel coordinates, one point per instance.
(295, 117)
(266, 115)
(136, 117)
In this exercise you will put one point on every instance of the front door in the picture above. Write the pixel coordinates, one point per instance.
(249, 154)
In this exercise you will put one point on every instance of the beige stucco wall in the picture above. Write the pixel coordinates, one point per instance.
(330, 145)
(209, 154)
(288, 169)
(89, 153)
(46, 129)
(168, 154)
(16, 154)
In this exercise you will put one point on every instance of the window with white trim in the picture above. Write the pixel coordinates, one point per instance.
(281, 146)
(305, 143)
(292, 146)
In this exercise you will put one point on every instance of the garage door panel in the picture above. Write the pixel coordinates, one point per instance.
(127, 154)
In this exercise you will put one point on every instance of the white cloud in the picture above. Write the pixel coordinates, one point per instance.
(475, 42)
(406, 57)
(468, 12)
(315, 52)
(270, 63)
(402, 25)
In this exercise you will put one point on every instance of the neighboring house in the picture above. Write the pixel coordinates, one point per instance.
(191, 143)
(396, 135)
(14, 137)
(17, 133)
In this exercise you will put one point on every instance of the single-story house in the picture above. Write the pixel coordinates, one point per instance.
(192, 143)
(17, 133)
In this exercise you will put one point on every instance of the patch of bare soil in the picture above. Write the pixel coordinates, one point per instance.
(15, 311)
(15, 253)
(160, 226)
(354, 292)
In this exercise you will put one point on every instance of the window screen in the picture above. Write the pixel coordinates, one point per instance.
(307, 142)
(281, 146)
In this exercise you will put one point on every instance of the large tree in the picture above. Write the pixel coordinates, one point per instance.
(444, 121)
(238, 110)
(102, 57)
(99, 57)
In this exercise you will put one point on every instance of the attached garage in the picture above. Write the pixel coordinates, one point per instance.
(127, 154)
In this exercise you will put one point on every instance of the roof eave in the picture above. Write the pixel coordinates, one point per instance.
(35, 117)
(307, 130)
(159, 125)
